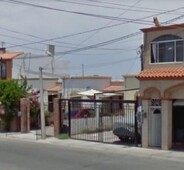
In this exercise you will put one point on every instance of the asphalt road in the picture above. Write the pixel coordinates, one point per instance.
(20, 155)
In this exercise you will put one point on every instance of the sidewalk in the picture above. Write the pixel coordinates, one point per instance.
(98, 147)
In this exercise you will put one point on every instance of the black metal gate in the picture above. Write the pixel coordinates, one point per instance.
(108, 121)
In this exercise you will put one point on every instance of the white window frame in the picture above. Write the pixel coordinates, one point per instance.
(156, 52)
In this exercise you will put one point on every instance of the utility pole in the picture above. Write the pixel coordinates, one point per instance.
(49, 52)
(42, 115)
(141, 57)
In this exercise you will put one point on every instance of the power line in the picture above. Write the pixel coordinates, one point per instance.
(99, 44)
(98, 6)
(86, 39)
(85, 31)
(109, 23)
(120, 6)
(111, 49)
(92, 30)
(104, 64)
(79, 13)
(32, 48)
(30, 35)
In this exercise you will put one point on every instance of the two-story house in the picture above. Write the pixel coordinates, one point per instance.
(6, 62)
(162, 86)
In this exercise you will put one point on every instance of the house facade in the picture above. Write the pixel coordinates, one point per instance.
(6, 63)
(72, 85)
(131, 87)
(162, 87)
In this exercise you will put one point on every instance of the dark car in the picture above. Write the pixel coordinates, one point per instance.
(84, 113)
(126, 133)
(81, 113)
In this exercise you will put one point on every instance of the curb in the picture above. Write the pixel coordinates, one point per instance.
(88, 146)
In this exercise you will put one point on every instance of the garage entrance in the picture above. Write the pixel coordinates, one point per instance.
(106, 121)
(178, 123)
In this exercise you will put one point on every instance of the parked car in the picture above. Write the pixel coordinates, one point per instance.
(126, 132)
(84, 113)
(81, 113)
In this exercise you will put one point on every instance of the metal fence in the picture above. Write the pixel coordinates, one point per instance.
(108, 121)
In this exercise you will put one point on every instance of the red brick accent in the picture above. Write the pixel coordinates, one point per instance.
(56, 117)
(25, 115)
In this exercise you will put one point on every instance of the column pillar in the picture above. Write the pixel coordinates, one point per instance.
(166, 142)
(25, 115)
(57, 123)
(145, 126)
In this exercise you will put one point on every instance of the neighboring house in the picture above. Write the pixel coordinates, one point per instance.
(6, 63)
(28, 65)
(53, 92)
(51, 88)
(162, 86)
(114, 87)
(131, 87)
(72, 85)
(112, 92)
(6, 59)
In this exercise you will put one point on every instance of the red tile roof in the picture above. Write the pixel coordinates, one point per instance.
(162, 73)
(55, 89)
(10, 55)
(115, 86)
(112, 88)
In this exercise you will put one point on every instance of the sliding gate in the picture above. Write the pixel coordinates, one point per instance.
(108, 121)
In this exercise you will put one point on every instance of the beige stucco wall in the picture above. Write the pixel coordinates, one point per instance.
(130, 82)
(149, 37)
(162, 86)
(166, 90)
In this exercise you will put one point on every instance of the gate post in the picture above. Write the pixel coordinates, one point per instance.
(57, 122)
(69, 118)
(136, 125)
(25, 115)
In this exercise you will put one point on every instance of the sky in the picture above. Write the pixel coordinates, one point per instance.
(94, 37)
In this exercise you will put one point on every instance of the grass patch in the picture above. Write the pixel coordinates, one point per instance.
(64, 136)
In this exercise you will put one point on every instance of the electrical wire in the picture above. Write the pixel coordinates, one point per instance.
(136, 9)
(93, 46)
(118, 4)
(105, 64)
(80, 13)
(92, 29)
(96, 32)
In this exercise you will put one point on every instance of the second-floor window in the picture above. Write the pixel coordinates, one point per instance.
(167, 48)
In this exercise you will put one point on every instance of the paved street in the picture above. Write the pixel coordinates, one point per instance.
(24, 155)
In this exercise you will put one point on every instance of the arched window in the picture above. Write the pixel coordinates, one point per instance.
(167, 48)
(157, 111)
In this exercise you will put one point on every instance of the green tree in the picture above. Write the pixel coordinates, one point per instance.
(11, 91)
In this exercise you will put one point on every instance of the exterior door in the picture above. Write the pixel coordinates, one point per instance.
(155, 140)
